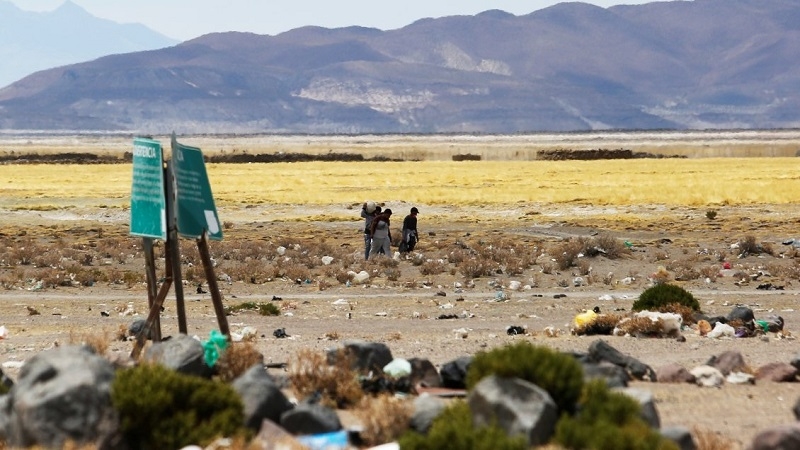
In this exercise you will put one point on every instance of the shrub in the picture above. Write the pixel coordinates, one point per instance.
(611, 247)
(659, 296)
(557, 373)
(608, 421)
(338, 384)
(432, 267)
(453, 430)
(264, 309)
(236, 360)
(566, 253)
(161, 408)
(384, 418)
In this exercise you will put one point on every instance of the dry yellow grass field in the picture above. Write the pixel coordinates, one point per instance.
(704, 182)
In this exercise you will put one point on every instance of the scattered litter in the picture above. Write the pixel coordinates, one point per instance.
(514, 330)
(3, 332)
(447, 316)
(381, 314)
(397, 368)
(213, 347)
(722, 330)
(280, 333)
(327, 260)
(341, 301)
(275, 298)
(462, 333)
(559, 295)
(335, 440)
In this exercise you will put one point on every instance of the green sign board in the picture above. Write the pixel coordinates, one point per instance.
(148, 208)
(195, 209)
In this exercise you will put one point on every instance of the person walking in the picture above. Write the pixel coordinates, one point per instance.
(410, 235)
(381, 235)
(368, 212)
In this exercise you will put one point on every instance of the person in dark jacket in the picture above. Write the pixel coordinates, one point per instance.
(410, 234)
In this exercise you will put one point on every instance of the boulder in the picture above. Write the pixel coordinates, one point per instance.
(262, 398)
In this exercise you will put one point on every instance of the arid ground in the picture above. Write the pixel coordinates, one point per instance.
(321, 312)
(271, 256)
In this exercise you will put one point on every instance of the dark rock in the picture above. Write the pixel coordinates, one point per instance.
(778, 372)
(600, 350)
(367, 356)
(182, 353)
(310, 419)
(262, 398)
(454, 373)
(426, 409)
(727, 362)
(784, 437)
(648, 410)
(62, 395)
(517, 406)
(614, 376)
(674, 373)
(681, 436)
(423, 371)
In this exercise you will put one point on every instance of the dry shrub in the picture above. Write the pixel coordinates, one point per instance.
(394, 336)
(343, 276)
(384, 418)
(660, 255)
(611, 247)
(432, 267)
(710, 440)
(254, 271)
(710, 272)
(457, 256)
(337, 383)
(392, 273)
(641, 326)
(684, 269)
(237, 359)
(292, 270)
(749, 246)
(515, 265)
(331, 336)
(584, 266)
(475, 267)
(98, 343)
(566, 253)
(686, 313)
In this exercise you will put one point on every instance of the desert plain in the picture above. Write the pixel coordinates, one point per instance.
(717, 221)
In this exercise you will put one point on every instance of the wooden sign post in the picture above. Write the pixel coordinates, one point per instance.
(183, 205)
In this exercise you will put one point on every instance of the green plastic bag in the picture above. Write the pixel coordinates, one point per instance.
(214, 347)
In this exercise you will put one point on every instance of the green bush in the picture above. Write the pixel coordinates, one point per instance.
(453, 430)
(264, 309)
(608, 421)
(557, 373)
(161, 408)
(659, 296)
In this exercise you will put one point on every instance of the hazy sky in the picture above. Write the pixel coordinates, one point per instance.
(186, 19)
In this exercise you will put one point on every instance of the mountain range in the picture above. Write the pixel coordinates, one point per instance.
(32, 41)
(702, 64)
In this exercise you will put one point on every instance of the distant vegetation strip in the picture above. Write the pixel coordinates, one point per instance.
(247, 158)
(691, 182)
